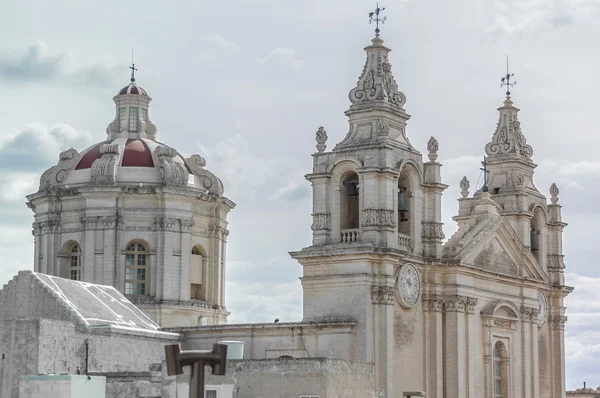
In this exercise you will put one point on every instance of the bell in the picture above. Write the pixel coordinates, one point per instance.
(402, 207)
(534, 240)
(351, 188)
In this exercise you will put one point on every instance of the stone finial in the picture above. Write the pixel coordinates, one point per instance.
(321, 139)
(464, 186)
(554, 194)
(508, 139)
(432, 147)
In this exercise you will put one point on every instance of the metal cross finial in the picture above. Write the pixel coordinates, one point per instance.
(505, 81)
(485, 172)
(374, 16)
(133, 68)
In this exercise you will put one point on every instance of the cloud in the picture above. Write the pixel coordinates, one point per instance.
(582, 341)
(516, 16)
(37, 146)
(294, 190)
(36, 65)
(221, 42)
(285, 56)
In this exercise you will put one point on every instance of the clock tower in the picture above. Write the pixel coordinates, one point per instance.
(376, 209)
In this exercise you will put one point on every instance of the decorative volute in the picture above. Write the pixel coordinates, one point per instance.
(376, 112)
(508, 139)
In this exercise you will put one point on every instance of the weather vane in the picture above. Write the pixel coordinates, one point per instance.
(374, 16)
(506, 80)
(133, 68)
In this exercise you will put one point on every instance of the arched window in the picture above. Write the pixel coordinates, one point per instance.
(136, 268)
(197, 272)
(75, 262)
(535, 230)
(349, 202)
(403, 205)
(500, 375)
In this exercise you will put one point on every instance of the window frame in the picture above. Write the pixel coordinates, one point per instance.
(133, 118)
(75, 255)
(139, 265)
(122, 118)
(499, 370)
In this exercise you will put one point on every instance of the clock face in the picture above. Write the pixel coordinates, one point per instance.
(408, 285)
(543, 307)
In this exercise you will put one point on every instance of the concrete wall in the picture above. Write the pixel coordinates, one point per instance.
(62, 386)
(284, 378)
(272, 340)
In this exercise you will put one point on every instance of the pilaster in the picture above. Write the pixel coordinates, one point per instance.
(433, 306)
(89, 224)
(383, 299)
(111, 250)
(184, 268)
(455, 347)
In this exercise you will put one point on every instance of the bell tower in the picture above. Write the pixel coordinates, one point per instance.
(376, 207)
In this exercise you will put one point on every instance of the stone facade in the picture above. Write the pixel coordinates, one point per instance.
(129, 190)
(491, 296)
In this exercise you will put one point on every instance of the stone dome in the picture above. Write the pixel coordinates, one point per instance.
(130, 155)
(132, 88)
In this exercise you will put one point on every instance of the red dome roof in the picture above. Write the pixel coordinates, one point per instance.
(87, 159)
(133, 88)
(135, 154)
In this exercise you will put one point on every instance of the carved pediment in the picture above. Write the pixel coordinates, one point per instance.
(498, 249)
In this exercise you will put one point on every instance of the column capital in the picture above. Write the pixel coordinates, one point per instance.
(382, 295)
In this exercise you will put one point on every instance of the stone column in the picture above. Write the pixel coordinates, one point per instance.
(37, 245)
(556, 324)
(89, 245)
(535, 393)
(383, 299)
(369, 207)
(166, 261)
(321, 212)
(110, 250)
(186, 252)
(472, 360)
(527, 363)
(433, 305)
(454, 361)
(432, 233)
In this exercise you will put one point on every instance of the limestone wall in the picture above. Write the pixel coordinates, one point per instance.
(299, 340)
(284, 378)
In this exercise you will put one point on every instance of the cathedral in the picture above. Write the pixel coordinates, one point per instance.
(130, 255)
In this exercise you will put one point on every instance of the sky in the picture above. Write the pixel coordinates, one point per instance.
(247, 84)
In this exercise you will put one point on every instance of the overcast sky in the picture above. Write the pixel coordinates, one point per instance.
(247, 84)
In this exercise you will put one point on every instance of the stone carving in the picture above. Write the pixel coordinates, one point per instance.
(556, 262)
(471, 305)
(528, 314)
(213, 184)
(50, 226)
(164, 224)
(515, 179)
(320, 222)
(557, 322)
(432, 148)
(89, 222)
(376, 83)
(554, 194)
(171, 173)
(455, 303)
(464, 187)
(321, 139)
(382, 128)
(378, 218)
(433, 303)
(186, 225)
(432, 230)
(508, 137)
(382, 295)
(104, 169)
(55, 175)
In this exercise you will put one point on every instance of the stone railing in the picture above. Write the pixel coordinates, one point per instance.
(403, 242)
(349, 235)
